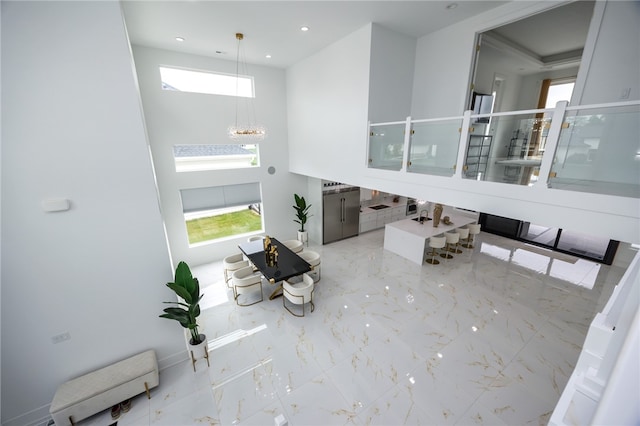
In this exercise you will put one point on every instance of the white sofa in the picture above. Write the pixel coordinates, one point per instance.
(91, 393)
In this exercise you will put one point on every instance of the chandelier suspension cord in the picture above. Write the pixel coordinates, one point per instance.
(238, 37)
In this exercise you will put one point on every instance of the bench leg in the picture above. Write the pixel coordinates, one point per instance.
(146, 388)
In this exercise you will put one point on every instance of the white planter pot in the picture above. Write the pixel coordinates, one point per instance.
(303, 237)
(199, 351)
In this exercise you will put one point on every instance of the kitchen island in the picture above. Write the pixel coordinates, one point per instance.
(408, 238)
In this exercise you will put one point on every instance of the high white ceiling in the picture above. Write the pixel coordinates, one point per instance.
(273, 27)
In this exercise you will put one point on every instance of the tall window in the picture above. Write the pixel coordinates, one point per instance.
(190, 158)
(219, 212)
(210, 83)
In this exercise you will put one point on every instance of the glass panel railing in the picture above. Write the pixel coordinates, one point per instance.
(599, 151)
(507, 148)
(386, 146)
(434, 147)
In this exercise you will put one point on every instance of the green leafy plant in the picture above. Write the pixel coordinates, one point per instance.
(302, 211)
(188, 289)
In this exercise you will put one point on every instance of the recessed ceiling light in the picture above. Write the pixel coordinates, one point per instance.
(268, 56)
(305, 28)
(179, 38)
(452, 6)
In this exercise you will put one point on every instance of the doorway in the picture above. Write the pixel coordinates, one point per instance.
(544, 46)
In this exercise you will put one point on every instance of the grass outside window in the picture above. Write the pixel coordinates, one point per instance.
(223, 225)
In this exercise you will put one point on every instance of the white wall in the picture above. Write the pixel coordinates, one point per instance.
(191, 118)
(391, 75)
(0, 215)
(615, 64)
(327, 98)
(72, 128)
(441, 77)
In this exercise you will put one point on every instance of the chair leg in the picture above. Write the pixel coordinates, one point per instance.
(456, 248)
(284, 304)
(433, 260)
(447, 252)
(236, 295)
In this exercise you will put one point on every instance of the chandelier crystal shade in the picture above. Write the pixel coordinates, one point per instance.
(245, 127)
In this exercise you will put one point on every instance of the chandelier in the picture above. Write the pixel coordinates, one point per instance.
(245, 127)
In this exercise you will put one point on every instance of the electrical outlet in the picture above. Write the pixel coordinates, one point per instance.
(61, 338)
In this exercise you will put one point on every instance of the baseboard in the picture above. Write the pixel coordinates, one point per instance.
(40, 416)
(172, 360)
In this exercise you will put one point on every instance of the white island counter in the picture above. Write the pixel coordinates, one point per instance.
(408, 237)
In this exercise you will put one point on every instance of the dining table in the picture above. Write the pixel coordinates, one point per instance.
(288, 264)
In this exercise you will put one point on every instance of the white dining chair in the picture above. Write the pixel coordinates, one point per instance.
(313, 259)
(232, 263)
(294, 245)
(246, 281)
(298, 293)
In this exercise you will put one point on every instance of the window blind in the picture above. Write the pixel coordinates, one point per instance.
(217, 197)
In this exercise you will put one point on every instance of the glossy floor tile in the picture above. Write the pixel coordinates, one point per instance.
(489, 337)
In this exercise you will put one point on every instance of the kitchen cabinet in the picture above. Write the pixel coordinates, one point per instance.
(340, 215)
(378, 219)
(368, 221)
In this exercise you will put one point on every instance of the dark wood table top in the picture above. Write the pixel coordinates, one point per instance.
(289, 263)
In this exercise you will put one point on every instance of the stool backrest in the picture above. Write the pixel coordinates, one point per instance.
(463, 232)
(437, 242)
(452, 237)
(474, 228)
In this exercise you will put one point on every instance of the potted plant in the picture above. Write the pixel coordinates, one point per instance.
(187, 310)
(302, 214)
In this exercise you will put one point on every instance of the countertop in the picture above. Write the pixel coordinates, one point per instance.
(427, 229)
(367, 210)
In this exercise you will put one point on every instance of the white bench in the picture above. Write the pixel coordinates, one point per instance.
(91, 393)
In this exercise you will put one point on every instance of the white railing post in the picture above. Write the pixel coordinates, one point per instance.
(368, 150)
(462, 144)
(551, 145)
(407, 144)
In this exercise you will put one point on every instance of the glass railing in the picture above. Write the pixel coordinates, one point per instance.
(599, 151)
(507, 148)
(433, 146)
(386, 145)
(593, 148)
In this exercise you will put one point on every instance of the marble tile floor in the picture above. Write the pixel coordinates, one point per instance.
(489, 337)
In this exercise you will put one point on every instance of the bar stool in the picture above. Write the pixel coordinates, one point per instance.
(451, 238)
(474, 229)
(435, 243)
(463, 232)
